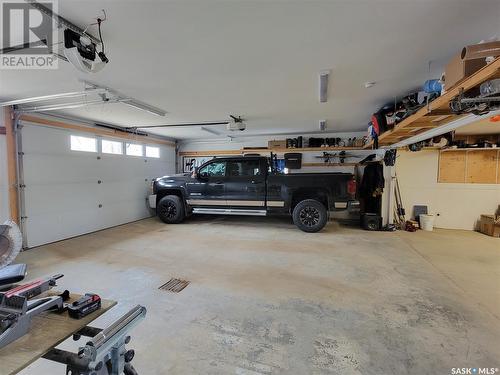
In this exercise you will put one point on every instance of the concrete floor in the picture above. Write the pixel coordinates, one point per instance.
(266, 298)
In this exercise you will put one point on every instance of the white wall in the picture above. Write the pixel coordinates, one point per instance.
(459, 205)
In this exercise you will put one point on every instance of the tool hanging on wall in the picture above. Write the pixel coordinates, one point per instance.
(399, 209)
(390, 158)
(331, 157)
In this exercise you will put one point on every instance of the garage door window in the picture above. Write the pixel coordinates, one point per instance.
(112, 147)
(134, 149)
(152, 152)
(79, 143)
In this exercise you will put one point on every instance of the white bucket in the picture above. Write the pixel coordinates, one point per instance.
(426, 222)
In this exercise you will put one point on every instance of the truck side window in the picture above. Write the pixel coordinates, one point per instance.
(214, 169)
(243, 168)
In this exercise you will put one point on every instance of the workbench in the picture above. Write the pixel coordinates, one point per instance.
(47, 331)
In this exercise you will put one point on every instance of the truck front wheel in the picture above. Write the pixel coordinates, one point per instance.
(170, 209)
(310, 215)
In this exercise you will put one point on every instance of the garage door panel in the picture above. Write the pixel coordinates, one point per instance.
(117, 213)
(63, 198)
(38, 139)
(124, 167)
(58, 226)
(123, 190)
(55, 169)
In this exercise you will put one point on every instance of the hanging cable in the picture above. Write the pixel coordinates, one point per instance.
(101, 54)
(100, 34)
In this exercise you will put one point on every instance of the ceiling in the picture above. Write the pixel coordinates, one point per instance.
(203, 60)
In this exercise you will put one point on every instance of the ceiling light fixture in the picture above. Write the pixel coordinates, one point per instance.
(128, 100)
(106, 94)
(210, 131)
(72, 105)
(369, 84)
(144, 107)
(183, 124)
(323, 86)
(51, 97)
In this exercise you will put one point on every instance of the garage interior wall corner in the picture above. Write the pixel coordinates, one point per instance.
(456, 205)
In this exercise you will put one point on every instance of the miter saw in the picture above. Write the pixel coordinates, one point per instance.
(105, 352)
(17, 305)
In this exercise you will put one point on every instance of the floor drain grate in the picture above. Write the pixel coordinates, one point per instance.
(174, 285)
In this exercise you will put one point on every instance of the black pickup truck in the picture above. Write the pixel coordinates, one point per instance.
(250, 185)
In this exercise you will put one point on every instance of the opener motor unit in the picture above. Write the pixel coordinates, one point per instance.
(81, 52)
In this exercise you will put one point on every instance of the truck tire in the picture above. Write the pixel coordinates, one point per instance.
(170, 209)
(310, 215)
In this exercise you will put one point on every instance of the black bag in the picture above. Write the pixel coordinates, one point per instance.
(293, 160)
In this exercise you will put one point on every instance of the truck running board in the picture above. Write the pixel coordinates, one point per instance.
(229, 211)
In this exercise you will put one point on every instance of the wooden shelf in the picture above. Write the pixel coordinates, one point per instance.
(263, 151)
(340, 148)
(437, 113)
(329, 164)
(471, 149)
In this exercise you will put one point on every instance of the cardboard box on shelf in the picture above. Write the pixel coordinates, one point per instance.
(277, 144)
(490, 225)
(458, 69)
(358, 142)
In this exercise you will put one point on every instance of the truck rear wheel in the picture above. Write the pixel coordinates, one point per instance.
(170, 209)
(310, 215)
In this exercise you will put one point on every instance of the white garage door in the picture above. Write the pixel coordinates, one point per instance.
(69, 193)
